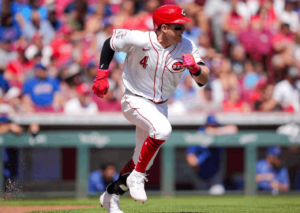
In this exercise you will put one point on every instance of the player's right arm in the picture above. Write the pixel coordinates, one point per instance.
(121, 41)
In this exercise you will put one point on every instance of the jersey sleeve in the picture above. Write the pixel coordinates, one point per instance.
(122, 40)
(284, 177)
(196, 55)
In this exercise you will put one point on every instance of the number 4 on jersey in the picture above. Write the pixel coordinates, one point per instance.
(143, 62)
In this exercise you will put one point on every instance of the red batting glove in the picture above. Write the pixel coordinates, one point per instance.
(101, 84)
(189, 63)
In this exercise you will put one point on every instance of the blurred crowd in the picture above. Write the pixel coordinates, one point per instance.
(50, 53)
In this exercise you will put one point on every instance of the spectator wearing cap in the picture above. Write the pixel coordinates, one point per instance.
(101, 178)
(270, 174)
(82, 104)
(89, 73)
(206, 162)
(41, 93)
(286, 92)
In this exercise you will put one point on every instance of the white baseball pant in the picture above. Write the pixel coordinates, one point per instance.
(150, 120)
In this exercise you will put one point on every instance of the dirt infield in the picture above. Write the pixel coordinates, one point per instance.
(23, 209)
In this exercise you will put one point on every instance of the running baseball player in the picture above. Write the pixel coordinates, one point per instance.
(152, 70)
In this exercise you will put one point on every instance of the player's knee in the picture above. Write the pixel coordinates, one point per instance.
(164, 132)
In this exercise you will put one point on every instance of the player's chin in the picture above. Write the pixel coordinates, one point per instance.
(179, 39)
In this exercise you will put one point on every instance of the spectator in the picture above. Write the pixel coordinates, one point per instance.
(207, 161)
(9, 28)
(71, 76)
(35, 24)
(266, 103)
(82, 104)
(36, 47)
(192, 32)
(89, 73)
(41, 93)
(185, 94)
(145, 17)
(290, 16)
(286, 92)
(6, 54)
(282, 44)
(271, 175)
(34, 5)
(234, 103)
(100, 179)
(206, 102)
(232, 25)
(76, 12)
(16, 69)
(62, 46)
(265, 18)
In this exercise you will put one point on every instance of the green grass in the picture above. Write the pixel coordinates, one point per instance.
(204, 204)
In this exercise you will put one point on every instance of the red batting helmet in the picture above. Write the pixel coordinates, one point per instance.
(169, 14)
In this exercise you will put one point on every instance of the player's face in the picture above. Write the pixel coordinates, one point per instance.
(175, 31)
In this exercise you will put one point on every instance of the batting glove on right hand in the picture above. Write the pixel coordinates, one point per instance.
(101, 84)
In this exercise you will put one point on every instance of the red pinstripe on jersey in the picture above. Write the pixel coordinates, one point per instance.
(156, 65)
(162, 77)
(140, 114)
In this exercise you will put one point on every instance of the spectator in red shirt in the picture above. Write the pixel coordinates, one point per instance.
(234, 103)
(282, 44)
(62, 46)
(232, 25)
(265, 18)
(16, 69)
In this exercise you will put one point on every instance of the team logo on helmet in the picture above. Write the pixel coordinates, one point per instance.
(183, 12)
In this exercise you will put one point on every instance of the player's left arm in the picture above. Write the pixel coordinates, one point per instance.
(196, 66)
(202, 78)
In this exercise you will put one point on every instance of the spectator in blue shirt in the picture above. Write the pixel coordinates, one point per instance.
(41, 92)
(207, 161)
(271, 175)
(100, 179)
(34, 5)
(9, 28)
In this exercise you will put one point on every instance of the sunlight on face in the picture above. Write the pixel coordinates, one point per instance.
(174, 32)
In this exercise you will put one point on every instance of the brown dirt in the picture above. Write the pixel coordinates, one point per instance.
(23, 209)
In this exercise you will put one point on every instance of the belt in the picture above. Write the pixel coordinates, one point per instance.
(161, 102)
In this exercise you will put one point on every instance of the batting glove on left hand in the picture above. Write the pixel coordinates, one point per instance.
(189, 63)
(101, 84)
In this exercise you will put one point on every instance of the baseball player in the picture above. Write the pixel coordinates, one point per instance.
(153, 66)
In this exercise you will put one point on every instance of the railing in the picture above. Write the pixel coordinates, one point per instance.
(83, 140)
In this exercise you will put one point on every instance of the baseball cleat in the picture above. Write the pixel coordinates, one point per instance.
(110, 202)
(136, 184)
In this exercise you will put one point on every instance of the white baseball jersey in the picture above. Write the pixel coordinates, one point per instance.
(150, 70)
